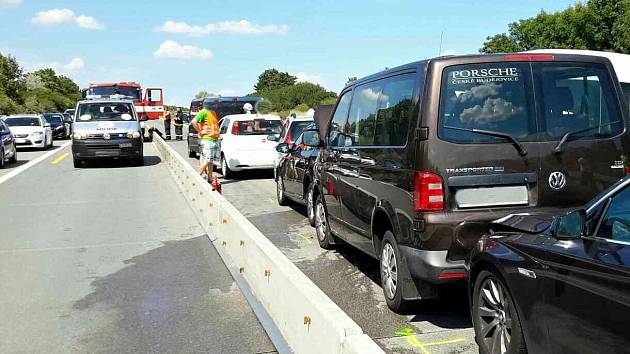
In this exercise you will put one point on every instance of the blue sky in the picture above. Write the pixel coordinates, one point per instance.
(222, 46)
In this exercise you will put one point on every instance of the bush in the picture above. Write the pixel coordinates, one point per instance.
(302, 108)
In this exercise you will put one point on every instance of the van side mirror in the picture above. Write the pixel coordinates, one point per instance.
(570, 226)
(310, 137)
(282, 148)
(272, 137)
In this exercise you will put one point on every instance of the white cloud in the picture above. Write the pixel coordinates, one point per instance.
(173, 50)
(306, 77)
(10, 3)
(232, 27)
(72, 69)
(65, 17)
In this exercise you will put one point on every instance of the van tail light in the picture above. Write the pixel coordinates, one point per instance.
(528, 57)
(235, 128)
(428, 192)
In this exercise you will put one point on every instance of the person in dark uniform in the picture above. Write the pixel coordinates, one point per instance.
(179, 124)
(167, 124)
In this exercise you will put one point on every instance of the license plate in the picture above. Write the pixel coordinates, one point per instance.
(491, 196)
(126, 145)
(20, 141)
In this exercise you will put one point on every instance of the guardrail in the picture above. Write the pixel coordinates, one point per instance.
(307, 319)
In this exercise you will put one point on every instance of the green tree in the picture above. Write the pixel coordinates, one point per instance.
(11, 77)
(595, 25)
(204, 93)
(273, 79)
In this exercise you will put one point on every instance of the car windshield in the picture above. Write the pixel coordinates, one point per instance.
(499, 97)
(23, 122)
(111, 90)
(258, 127)
(297, 128)
(105, 111)
(54, 118)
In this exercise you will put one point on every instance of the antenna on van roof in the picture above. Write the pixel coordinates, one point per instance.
(441, 37)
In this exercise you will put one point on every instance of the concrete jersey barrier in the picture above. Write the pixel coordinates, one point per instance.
(307, 319)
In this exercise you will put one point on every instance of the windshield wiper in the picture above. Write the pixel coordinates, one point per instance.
(565, 136)
(517, 144)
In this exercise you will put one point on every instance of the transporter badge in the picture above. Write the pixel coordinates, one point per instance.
(557, 180)
(106, 136)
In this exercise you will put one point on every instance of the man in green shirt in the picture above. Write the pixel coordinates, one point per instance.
(207, 124)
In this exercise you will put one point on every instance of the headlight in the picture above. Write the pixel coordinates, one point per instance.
(134, 135)
(38, 133)
(79, 136)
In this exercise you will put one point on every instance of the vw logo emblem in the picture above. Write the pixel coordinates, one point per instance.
(557, 180)
(106, 136)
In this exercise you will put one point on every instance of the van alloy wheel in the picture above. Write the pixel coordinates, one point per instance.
(320, 222)
(389, 270)
(494, 316)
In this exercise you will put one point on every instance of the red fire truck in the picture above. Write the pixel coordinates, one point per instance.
(149, 103)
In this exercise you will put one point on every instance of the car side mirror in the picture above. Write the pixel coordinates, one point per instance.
(272, 138)
(46, 125)
(311, 138)
(282, 148)
(570, 226)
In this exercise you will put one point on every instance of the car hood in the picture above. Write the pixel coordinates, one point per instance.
(25, 130)
(106, 127)
(525, 222)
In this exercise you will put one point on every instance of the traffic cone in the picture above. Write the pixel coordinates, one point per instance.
(216, 185)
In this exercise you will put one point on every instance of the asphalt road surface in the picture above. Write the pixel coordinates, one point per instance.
(108, 259)
(350, 278)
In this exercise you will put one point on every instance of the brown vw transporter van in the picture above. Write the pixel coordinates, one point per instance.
(417, 160)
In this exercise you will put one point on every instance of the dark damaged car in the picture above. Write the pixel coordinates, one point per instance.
(417, 160)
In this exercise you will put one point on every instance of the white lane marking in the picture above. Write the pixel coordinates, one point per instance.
(30, 164)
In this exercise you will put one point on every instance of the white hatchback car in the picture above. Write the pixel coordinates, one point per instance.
(30, 130)
(246, 144)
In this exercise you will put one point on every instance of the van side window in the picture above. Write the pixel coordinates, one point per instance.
(577, 97)
(362, 118)
(338, 121)
(394, 110)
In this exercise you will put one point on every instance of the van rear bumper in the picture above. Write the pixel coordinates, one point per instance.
(432, 266)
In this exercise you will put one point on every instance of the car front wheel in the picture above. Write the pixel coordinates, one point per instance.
(496, 322)
(322, 229)
(310, 207)
(225, 169)
(282, 199)
(77, 163)
(13, 158)
(2, 158)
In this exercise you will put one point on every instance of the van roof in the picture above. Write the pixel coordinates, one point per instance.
(475, 58)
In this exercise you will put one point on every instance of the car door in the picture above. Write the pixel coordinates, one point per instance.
(291, 178)
(7, 139)
(47, 130)
(578, 97)
(329, 159)
(587, 280)
(224, 125)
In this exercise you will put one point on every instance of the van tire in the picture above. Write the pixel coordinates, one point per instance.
(390, 261)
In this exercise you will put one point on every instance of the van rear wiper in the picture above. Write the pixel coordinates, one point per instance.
(517, 144)
(565, 136)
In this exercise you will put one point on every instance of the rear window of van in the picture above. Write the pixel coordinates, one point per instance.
(500, 97)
